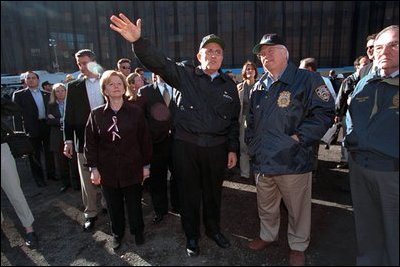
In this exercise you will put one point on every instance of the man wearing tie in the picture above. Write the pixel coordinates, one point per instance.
(159, 111)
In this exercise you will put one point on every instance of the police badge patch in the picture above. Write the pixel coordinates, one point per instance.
(323, 93)
(284, 99)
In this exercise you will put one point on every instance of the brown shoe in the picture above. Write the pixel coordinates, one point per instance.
(258, 244)
(296, 258)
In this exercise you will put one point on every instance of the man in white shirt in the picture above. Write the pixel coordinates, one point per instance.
(82, 96)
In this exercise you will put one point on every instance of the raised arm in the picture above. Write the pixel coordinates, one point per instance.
(126, 28)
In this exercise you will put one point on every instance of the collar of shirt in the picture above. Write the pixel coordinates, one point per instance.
(214, 75)
(392, 75)
(34, 90)
(161, 86)
(92, 80)
(269, 80)
(107, 107)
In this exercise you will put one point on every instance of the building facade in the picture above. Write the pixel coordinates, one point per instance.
(46, 34)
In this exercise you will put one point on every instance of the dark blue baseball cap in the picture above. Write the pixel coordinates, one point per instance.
(268, 39)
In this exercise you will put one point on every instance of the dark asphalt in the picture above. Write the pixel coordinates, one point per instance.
(58, 220)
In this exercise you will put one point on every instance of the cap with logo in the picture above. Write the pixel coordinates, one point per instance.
(212, 38)
(268, 39)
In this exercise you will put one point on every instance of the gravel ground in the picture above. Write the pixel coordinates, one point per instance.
(59, 219)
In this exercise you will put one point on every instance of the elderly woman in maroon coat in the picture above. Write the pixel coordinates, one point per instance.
(118, 152)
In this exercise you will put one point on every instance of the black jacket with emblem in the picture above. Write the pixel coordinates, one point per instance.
(298, 103)
(207, 110)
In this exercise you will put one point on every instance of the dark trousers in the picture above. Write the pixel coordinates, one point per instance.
(375, 196)
(67, 169)
(116, 199)
(41, 145)
(199, 172)
(161, 162)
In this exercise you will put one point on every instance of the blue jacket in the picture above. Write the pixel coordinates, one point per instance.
(373, 121)
(298, 103)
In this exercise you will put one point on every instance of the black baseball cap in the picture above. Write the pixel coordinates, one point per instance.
(212, 38)
(268, 39)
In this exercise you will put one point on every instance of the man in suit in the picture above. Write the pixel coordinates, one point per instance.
(33, 103)
(159, 111)
(83, 95)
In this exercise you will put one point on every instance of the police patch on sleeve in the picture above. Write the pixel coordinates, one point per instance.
(323, 93)
(284, 99)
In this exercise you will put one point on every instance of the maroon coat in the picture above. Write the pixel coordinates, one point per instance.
(119, 153)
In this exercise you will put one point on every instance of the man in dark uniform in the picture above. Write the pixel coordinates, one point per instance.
(290, 110)
(373, 144)
(206, 127)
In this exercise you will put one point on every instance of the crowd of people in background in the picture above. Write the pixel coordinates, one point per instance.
(117, 133)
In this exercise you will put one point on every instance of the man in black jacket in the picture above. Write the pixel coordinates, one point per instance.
(83, 95)
(33, 103)
(206, 128)
(159, 109)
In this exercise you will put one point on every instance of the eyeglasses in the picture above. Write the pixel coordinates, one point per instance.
(210, 52)
(369, 47)
(269, 50)
(125, 67)
(393, 46)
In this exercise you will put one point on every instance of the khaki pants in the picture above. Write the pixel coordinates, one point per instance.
(10, 183)
(295, 190)
(89, 190)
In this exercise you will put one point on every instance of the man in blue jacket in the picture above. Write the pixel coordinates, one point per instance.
(373, 143)
(290, 110)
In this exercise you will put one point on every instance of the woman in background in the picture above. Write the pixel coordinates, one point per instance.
(249, 75)
(66, 169)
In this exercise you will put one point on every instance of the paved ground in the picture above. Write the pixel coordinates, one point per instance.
(58, 220)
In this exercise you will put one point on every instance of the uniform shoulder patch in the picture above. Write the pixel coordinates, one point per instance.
(323, 93)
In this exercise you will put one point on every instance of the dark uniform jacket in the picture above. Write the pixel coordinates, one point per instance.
(120, 160)
(373, 123)
(207, 110)
(298, 103)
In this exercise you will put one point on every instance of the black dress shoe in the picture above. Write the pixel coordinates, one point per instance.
(221, 240)
(139, 238)
(192, 248)
(31, 240)
(158, 218)
(64, 189)
(89, 223)
(116, 243)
